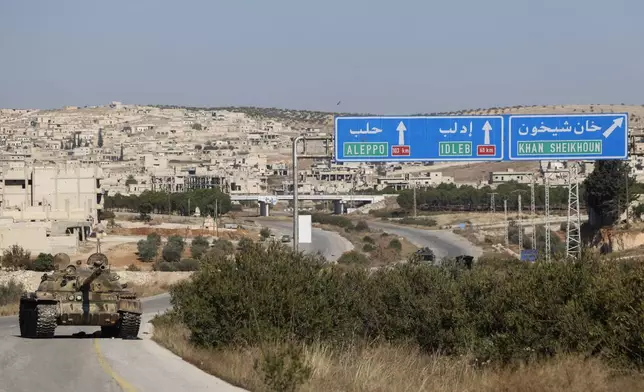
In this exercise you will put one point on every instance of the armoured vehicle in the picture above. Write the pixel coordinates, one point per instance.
(81, 296)
(426, 254)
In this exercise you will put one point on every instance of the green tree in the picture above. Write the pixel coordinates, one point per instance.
(605, 191)
(44, 262)
(100, 138)
(148, 250)
(198, 247)
(16, 257)
(131, 180)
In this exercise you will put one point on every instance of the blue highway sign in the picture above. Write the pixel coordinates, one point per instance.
(409, 139)
(568, 137)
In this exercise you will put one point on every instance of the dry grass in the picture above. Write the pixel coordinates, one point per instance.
(9, 309)
(148, 290)
(388, 368)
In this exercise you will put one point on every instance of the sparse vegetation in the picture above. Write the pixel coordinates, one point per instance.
(9, 297)
(395, 244)
(353, 257)
(15, 258)
(418, 221)
(265, 232)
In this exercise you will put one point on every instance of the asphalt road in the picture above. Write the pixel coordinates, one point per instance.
(444, 243)
(70, 361)
(330, 244)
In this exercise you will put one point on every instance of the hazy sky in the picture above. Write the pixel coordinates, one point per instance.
(378, 56)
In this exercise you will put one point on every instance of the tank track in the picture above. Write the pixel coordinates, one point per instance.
(38, 321)
(130, 323)
(24, 319)
(45, 320)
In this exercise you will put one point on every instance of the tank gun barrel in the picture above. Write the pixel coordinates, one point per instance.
(98, 270)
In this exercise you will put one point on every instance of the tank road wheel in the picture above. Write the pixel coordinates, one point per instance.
(129, 325)
(45, 320)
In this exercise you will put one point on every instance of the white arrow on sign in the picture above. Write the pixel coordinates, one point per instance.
(487, 128)
(401, 136)
(617, 123)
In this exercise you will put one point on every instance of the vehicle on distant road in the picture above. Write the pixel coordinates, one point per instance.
(286, 238)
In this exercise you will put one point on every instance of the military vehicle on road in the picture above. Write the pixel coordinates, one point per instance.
(81, 296)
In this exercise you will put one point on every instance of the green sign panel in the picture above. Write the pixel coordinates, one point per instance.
(455, 149)
(365, 149)
(571, 147)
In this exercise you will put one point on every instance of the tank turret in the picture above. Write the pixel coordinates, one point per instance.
(99, 267)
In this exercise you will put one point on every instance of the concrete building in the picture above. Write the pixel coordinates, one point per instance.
(63, 192)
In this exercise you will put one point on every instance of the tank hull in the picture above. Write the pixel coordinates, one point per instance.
(106, 310)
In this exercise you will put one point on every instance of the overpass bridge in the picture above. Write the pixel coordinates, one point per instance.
(265, 201)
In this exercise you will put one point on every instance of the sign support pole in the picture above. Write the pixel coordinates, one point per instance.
(573, 232)
(547, 227)
(507, 223)
(533, 212)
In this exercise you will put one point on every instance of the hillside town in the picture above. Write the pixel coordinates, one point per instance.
(58, 165)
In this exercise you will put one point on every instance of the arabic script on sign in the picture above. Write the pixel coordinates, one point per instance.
(367, 131)
(464, 129)
(577, 129)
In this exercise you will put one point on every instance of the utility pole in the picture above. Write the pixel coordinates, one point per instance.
(533, 213)
(573, 232)
(547, 227)
(492, 202)
(217, 216)
(507, 223)
(188, 206)
(520, 223)
(415, 213)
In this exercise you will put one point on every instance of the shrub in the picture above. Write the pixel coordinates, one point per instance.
(44, 262)
(105, 215)
(171, 253)
(147, 249)
(504, 312)
(265, 232)
(16, 258)
(334, 220)
(198, 247)
(188, 265)
(353, 258)
(418, 221)
(361, 226)
(395, 244)
(165, 266)
(176, 241)
(245, 243)
(368, 247)
(10, 293)
(283, 369)
(133, 267)
(368, 240)
(154, 238)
